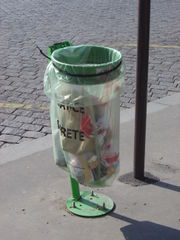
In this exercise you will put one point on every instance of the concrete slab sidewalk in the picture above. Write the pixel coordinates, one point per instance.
(34, 191)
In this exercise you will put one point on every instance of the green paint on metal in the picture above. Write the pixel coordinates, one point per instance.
(56, 46)
(90, 205)
(75, 189)
(88, 64)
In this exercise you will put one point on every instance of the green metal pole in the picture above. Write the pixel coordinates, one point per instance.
(75, 189)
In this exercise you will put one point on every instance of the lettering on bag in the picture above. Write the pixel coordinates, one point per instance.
(68, 108)
(75, 134)
(70, 133)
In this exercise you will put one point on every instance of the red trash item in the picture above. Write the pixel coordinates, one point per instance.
(112, 159)
(86, 125)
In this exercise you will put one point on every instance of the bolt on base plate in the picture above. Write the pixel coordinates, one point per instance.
(90, 204)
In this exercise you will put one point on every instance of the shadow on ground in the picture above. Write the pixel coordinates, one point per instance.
(145, 230)
(148, 179)
(168, 186)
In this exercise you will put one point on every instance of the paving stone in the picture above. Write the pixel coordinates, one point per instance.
(6, 110)
(46, 130)
(3, 98)
(24, 139)
(12, 94)
(126, 105)
(1, 128)
(29, 96)
(7, 145)
(9, 138)
(158, 95)
(41, 115)
(30, 101)
(31, 127)
(23, 112)
(17, 83)
(43, 99)
(6, 116)
(158, 87)
(12, 123)
(124, 99)
(157, 91)
(177, 84)
(42, 122)
(13, 131)
(24, 119)
(7, 87)
(33, 134)
(132, 100)
(25, 90)
(3, 77)
(175, 67)
(173, 89)
(163, 83)
(15, 100)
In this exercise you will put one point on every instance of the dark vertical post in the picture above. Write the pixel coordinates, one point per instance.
(141, 87)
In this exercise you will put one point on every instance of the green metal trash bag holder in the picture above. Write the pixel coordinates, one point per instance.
(85, 203)
(88, 204)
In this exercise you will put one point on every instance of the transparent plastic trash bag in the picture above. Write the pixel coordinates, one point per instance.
(84, 84)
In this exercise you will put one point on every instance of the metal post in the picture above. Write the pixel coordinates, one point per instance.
(141, 87)
(75, 189)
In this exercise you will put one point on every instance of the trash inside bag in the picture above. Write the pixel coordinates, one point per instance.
(84, 84)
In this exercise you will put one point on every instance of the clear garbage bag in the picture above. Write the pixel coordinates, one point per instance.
(84, 84)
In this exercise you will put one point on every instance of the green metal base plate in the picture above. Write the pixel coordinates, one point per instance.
(90, 204)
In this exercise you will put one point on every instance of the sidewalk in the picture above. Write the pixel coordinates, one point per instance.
(34, 190)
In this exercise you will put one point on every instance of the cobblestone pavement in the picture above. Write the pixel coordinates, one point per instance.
(24, 24)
